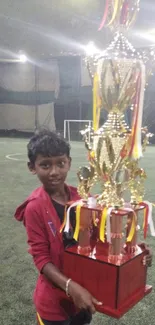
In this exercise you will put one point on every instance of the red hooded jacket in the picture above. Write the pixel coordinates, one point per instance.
(45, 245)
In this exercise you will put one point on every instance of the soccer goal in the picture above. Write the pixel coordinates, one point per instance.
(70, 125)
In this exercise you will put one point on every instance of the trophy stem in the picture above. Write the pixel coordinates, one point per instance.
(116, 235)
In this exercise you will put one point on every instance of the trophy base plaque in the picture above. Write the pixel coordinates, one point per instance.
(119, 283)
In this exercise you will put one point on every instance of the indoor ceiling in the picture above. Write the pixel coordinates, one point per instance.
(49, 27)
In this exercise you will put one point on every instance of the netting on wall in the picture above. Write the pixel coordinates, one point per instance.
(27, 95)
(23, 117)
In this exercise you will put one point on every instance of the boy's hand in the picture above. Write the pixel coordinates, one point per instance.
(147, 260)
(82, 298)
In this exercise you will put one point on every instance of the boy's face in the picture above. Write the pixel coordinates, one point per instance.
(51, 171)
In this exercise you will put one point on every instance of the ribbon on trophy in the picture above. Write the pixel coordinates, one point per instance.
(105, 227)
(133, 227)
(108, 226)
(77, 227)
(105, 224)
(91, 204)
(104, 15)
(120, 12)
(39, 319)
(136, 145)
(66, 222)
(106, 12)
(117, 4)
(134, 14)
(148, 220)
(96, 103)
(128, 12)
(124, 12)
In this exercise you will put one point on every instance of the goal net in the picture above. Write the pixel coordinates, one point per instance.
(72, 129)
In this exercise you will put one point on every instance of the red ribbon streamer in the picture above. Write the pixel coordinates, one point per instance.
(104, 16)
(135, 118)
(124, 12)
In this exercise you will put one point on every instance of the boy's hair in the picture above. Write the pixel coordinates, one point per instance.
(47, 144)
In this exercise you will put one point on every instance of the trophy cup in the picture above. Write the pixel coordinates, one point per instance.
(108, 258)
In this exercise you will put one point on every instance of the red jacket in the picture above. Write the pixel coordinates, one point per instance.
(45, 241)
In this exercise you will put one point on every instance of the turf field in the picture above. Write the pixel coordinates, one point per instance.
(17, 273)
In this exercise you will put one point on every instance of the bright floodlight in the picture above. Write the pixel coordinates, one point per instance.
(23, 58)
(91, 49)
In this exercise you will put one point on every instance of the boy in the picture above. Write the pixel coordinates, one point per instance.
(42, 214)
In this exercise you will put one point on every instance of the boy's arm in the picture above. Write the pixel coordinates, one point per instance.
(37, 238)
(81, 297)
(39, 249)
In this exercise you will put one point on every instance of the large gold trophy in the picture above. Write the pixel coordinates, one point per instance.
(107, 259)
(119, 85)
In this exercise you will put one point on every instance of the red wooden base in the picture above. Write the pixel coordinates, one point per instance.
(129, 303)
(119, 286)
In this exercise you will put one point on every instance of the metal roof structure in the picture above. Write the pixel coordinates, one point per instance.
(55, 27)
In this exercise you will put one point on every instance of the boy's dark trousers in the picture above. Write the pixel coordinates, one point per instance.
(84, 317)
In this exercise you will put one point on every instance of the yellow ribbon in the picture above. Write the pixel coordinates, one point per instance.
(116, 7)
(96, 103)
(77, 228)
(40, 321)
(102, 224)
(132, 229)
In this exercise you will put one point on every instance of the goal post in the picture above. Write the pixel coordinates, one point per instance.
(67, 132)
